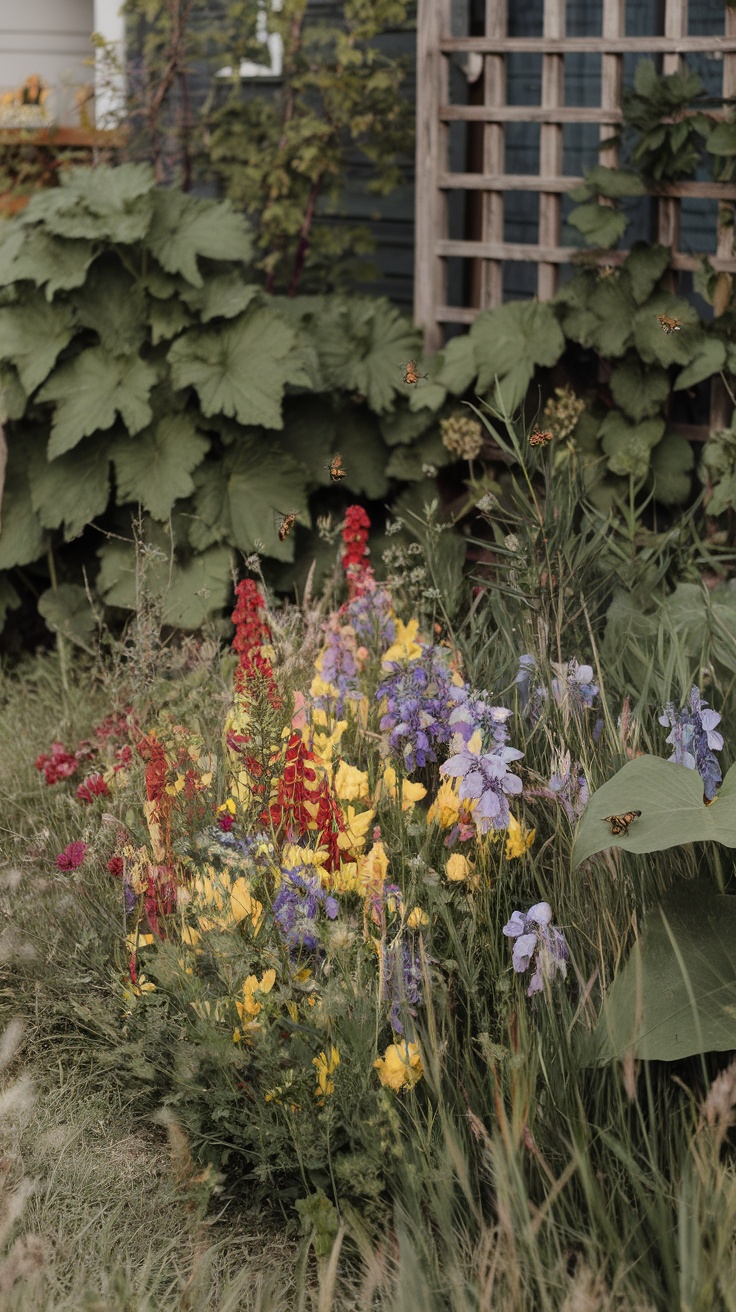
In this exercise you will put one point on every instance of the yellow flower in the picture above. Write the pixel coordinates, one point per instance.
(135, 941)
(445, 808)
(320, 688)
(356, 828)
(457, 868)
(323, 744)
(242, 904)
(142, 986)
(344, 880)
(373, 867)
(190, 936)
(519, 839)
(417, 919)
(351, 784)
(406, 647)
(326, 1065)
(229, 806)
(250, 1006)
(400, 1067)
(410, 793)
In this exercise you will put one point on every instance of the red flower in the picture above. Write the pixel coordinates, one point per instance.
(355, 555)
(251, 629)
(225, 821)
(115, 865)
(72, 856)
(93, 786)
(59, 764)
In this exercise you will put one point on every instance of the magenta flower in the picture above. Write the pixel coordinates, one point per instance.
(72, 856)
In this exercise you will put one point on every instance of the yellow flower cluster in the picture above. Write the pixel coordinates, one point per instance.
(400, 1067)
(325, 1066)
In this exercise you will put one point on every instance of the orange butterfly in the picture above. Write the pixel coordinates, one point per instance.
(411, 374)
(336, 472)
(620, 823)
(669, 325)
(538, 438)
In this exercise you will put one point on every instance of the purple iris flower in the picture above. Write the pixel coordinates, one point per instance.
(538, 941)
(574, 685)
(531, 699)
(416, 717)
(485, 777)
(694, 739)
(472, 712)
(296, 907)
(402, 981)
(570, 787)
(371, 619)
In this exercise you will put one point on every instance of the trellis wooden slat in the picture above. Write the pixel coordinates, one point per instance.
(435, 180)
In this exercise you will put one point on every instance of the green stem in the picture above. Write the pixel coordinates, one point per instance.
(61, 643)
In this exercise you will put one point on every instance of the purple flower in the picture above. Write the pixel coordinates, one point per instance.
(337, 666)
(485, 777)
(472, 712)
(694, 739)
(401, 979)
(573, 685)
(371, 619)
(417, 711)
(537, 940)
(296, 907)
(570, 786)
(531, 699)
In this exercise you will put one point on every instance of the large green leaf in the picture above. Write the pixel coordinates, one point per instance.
(655, 345)
(613, 183)
(22, 537)
(265, 483)
(627, 445)
(671, 469)
(240, 370)
(32, 335)
(458, 368)
(600, 225)
(705, 621)
(364, 454)
(188, 592)
(404, 425)
(511, 342)
(67, 611)
(676, 994)
(222, 296)
(155, 468)
(113, 304)
(91, 390)
(185, 227)
(708, 358)
(73, 489)
(614, 307)
(411, 462)
(210, 520)
(56, 263)
(361, 345)
(104, 203)
(638, 390)
(645, 265)
(670, 798)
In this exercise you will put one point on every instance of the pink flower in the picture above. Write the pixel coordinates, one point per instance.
(93, 786)
(225, 821)
(72, 856)
(115, 865)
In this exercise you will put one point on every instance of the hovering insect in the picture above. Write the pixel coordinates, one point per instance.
(286, 525)
(411, 373)
(620, 823)
(539, 438)
(336, 470)
(606, 270)
(669, 325)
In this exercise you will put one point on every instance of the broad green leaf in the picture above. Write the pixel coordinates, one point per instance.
(614, 307)
(13, 399)
(364, 454)
(705, 621)
(67, 611)
(223, 295)
(167, 319)
(73, 489)
(188, 592)
(655, 345)
(91, 390)
(676, 994)
(628, 445)
(403, 426)
(22, 538)
(210, 521)
(412, 462)
(600, 225)
(428, 396)
(514, 340)
(9, 599)
(113, 305)
(313, 432)
(614, 183)
(459, 368)
(722, 140)
(645, 265)
(673, 812)
(671, 469)
(361, 345)
(155, 467)
(708, 358)
(240, 370)
(186, 227)
(265, 483)
(104, 203)
(52, 262)
(32, 336)
(638, 390)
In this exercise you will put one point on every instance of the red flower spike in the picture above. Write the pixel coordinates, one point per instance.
(93, 786)
(358, 572)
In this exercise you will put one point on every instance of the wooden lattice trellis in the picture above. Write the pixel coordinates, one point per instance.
(435, 113)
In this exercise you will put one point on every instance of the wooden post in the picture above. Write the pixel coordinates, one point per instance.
(433, 22)
(668, 217)
(494, 93)
(614, 26)
(550, 147)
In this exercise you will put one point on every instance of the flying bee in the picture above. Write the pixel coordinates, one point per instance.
(336, 470)
(411, 373)
(669, 325)
(286, 525)
(606, 270)
(620, 823)
(538, 438)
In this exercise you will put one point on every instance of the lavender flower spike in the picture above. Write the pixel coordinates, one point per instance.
(485, 777)
(694, 739)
